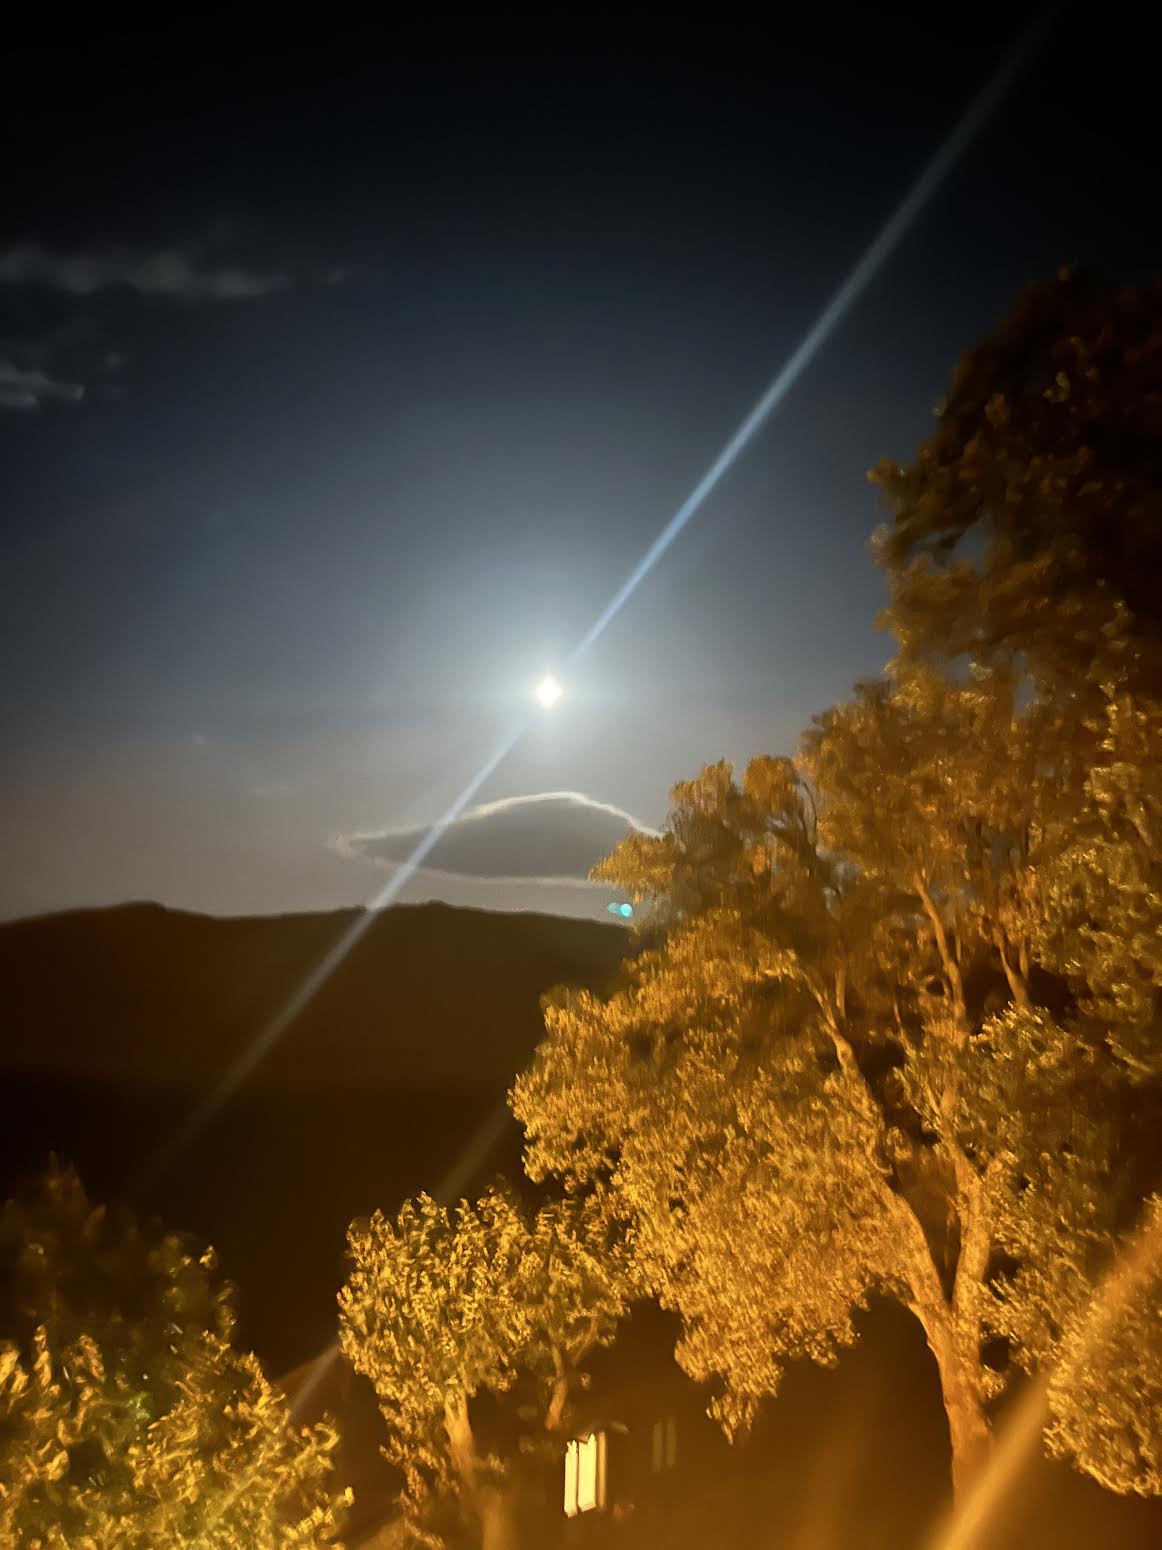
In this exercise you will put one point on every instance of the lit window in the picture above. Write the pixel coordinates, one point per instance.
(665, 1445)
(585, 1474)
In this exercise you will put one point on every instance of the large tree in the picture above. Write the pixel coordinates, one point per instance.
(443, 1309)
(893, 994)
(800, 1101)
(127, 1415)
(1026, 540)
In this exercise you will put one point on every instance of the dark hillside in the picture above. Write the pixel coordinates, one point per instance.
(116, 1023)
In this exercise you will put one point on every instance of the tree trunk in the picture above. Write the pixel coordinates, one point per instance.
(559, 1395)
(497, 1530)
(486, 1501)
(461, 1443)
(957, 1353)
(969, 1435)
(1017, 976)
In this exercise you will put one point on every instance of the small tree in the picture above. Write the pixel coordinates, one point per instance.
(127, 1416)
(442, 1307)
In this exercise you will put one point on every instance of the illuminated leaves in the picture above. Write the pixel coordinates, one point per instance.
(1105, 1397)
(127, 1417)
(441, 1306)
(1026, 529)
(709, 1091)
(832, 1076)
(888, 1038)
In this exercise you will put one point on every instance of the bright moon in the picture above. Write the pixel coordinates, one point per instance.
(548, 692)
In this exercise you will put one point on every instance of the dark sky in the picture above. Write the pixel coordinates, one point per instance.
(344, 376)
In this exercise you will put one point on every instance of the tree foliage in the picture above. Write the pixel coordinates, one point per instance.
(1027, 540)
(1106, 1393)
(127, 1415)
(1030, 525)
(444, 1306)
(895, 997)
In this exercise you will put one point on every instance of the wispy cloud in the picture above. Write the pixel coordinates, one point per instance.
(273, 790)
(546, 836)
(170, 272)
(26, 387)
(54, 367)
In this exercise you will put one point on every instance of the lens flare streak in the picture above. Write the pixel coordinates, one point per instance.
(934, 174)
(1137, 1263)
(269, 1035)
(983, 106)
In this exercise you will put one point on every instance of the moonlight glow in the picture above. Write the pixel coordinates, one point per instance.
(547, 692)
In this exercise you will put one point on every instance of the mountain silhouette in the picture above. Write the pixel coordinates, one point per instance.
(118, 1024)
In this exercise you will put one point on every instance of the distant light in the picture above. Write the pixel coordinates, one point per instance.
(547, 692)
(624, 910)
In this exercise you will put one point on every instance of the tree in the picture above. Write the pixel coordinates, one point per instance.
(1100, 925)
(1105, 1395)
(1026, 537)
(443, 1307)
(127, 1416)
(799, 1105)
(893, 995)
(1029, 527)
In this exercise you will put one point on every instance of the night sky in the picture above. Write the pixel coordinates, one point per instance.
(344, 377)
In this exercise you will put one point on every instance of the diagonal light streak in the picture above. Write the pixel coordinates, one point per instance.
(979, 111)
(450, 1189)
(270, 1034)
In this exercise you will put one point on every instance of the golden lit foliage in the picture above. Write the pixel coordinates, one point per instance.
(127, 1416)
(892, 999)
(1106, 1395)
(1028, 528)
(442, 1306)
(1101, 926)
(794, 1100)
(1026, 540)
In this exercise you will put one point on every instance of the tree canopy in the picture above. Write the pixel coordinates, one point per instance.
(442, 1307)
(127, 1415)
(1029, 526)
(898, 998)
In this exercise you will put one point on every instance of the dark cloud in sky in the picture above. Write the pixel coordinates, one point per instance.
(547, 835)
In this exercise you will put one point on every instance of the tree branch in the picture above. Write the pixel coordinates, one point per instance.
(947, 956)
(558, 1394)
(975, 1238)
(461, 1441)
(1018, 985)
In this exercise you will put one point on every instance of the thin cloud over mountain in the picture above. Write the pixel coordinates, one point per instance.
(546, 836)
